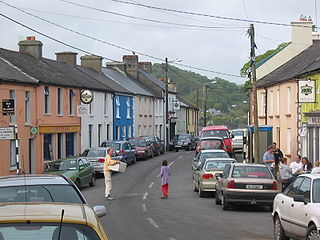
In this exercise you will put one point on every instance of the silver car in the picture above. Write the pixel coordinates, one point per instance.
(205, 154)
(205, 176)
(96, 157)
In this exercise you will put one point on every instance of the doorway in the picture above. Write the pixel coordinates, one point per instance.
(32, 159)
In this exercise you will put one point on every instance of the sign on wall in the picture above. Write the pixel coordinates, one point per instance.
(306, 91)
(82, 110)
(7, 133)
(7, 107)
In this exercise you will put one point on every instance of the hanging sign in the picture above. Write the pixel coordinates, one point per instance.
(86, 96)
(7, 107)
(306, 91)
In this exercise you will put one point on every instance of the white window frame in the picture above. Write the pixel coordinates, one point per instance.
(263, 104)
(288, 100)
(46, 93)
(71, 102)
(27, 107)
(124, 133)
(117, 106)
(129, 131)
(289, 139)
(271, 109)
(128, 105)
(105, 104)
(13, 155)
(277, 111)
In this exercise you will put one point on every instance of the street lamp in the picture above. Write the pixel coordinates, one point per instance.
(205, 94)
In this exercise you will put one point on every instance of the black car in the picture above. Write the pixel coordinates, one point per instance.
(183, 141)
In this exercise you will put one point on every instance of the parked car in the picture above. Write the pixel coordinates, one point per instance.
(143, 147)
(35, 221)
(77, 169)
(184, 141)
(96, 157)
(221, 132)
(241, 183)
(296, 210)
(123, 149)
(205, 175)
(157, 145)
(210, 143)
(205, 154)
(238, 139)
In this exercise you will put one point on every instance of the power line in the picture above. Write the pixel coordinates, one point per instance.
(102, 41)
(245, 9)
(204, 14)
(147, 19)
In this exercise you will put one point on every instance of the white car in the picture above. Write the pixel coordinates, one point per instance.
(237, 139)
(296, 211)
(205, 154)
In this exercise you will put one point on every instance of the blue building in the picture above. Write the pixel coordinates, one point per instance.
(123, 117)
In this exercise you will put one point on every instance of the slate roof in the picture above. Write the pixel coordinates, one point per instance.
(126, 81)
(301, 65)
(10, 73)
(189, 105)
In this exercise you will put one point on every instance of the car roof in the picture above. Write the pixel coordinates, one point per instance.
(217, 127)
(47, 212)
(249, 164)
(114, 141)
(213, 150)
(211, 138)
(312, 176)
(97, 148)
(143, 138)
(36, 179)
(220, 159)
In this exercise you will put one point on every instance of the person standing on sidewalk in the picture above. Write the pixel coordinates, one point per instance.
(107, 173)
(165, 174)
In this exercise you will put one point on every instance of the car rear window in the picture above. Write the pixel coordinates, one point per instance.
(210, 144)
(115, 146)
(237, 133)
(181, 137)
(216, 165)
(40, 193)
(138, 142)
(215, 133)
(96, 153)
(68, 165)
(40, 231)
(251, 172)
(214, 155)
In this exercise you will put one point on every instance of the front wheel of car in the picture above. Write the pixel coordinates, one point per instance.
(201, 193)
(134, 160)
(93, 180)
(312, 233)
(225, 204)
(195, 189)
(278, 232)
(217, 199)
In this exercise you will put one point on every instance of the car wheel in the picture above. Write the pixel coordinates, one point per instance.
(93, 180)
(158, 153)
(225, 204)
(177, 150)
(195, 189)
(201, 193)
(78, 183)
(134, 160)
(312, 233)
(217, 199)
(152, 154)
(278, 232)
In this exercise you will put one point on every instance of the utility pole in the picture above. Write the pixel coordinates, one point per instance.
(254, 91)
(197, 97)
(167, 106)
(205, 94)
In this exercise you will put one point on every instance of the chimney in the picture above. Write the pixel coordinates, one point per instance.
(31, 46)
(91, 61)
(131, 62)
(147, 66)
(117, 65)
(67, 57)
(302, 31)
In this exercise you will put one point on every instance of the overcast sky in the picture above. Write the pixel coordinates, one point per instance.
(223, 50)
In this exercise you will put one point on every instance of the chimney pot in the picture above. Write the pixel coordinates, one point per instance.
(91, 61)
(31, 46)
(147, 66)
(131, 62)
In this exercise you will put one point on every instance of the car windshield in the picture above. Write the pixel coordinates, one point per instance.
(181, 137)
(216, 165)
(115, 146)
(40, 231)
(96, 153)
(215, 133)
(237, 133)
(316, 191)
(65, 165)
(40, 193)
(214, 155)
(210, 144)
(251, 172)
(138, 142)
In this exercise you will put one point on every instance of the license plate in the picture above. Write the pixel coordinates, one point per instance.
(254, 187)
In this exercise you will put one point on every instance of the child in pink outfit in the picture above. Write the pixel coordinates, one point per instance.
(165, 174)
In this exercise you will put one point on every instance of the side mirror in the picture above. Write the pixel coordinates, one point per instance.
(81, 168)
(298, 198)
(100, 210)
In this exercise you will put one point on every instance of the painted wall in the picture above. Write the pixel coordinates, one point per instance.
(159, 120)
(123, 123)
(144, 116)
(181, 126)
(100, 119)
(192, 121)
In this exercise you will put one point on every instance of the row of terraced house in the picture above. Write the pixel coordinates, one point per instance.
(52, 122)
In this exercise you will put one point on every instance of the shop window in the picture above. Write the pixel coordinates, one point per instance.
(59, 102)
(47, 147)
(70, 144)
(13, 157)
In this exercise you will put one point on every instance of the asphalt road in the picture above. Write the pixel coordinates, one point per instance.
(138, 213)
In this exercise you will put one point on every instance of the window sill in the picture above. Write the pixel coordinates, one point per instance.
(12, 124)
(13, 168)
(47, 114)
(72, 115)
(28, 124)
(270, 116)
(60, 115)
(128, 117)
(277, 116)
(288, 115)
(118, 117)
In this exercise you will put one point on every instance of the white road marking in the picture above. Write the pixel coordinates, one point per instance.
(151, 184)
(145, 196)
(144, 207)
(132, 194)
(170, 164)
(179, 157)
(153, 223)
(172, 239)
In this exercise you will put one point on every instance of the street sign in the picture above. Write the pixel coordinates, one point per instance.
(82, 110)
(7, 133)
(86, 96)
(307, 91)
(7, 107)
(34, 130)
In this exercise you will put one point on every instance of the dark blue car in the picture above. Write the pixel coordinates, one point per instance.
(123, 149)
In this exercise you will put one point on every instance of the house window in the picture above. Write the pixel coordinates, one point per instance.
(139, 131)
(46, 100)
(13, 157)
(105, 102)
(289, 100)
(47, 147)
(277, 105)
(289, 140)
(90, 135)
(59, 110)
(70, 144)
(271, 103)
(160, 131)
(99, 133)
(124, 133)
(128, 107)
(12, 94)
(263, 104)
(60, 145)
(27, 107)
(117, 106)
(117, 133)
(71, 101)
(90, 108)
(129, 131)
(108, 131)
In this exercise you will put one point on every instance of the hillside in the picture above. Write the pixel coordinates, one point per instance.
(225, 96)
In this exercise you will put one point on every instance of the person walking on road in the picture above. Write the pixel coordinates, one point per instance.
(165, 174)
(107, 173)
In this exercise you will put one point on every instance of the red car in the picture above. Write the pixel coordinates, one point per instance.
(143, 147)
(220, 131)
(210, 143)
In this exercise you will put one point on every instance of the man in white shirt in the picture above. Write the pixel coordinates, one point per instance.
(316, 169)
(285, 170)
(296, 166)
